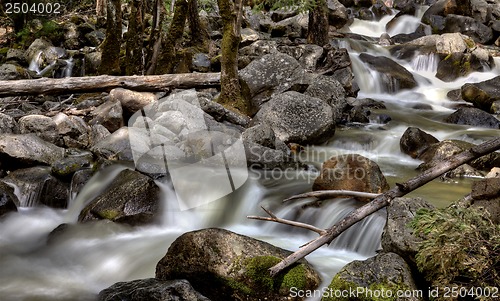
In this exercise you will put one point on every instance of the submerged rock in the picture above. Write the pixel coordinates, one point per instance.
(152, 290)
(8, 199)
(132, 198)
(382, 273)
(395, 76)
(473, 117)
(415, 141)
(483, 94)
(295, 117)
(223, 265)
(351, 172)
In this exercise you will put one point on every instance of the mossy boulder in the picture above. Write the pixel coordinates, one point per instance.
(482, 94)
(132, 198)
(380, 278)
(223, 265)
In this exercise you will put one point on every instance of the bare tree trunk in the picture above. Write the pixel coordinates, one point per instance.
(384, 200)
(100, 8)
(110, 60)
(134, 59)
(199, 35)
(156, 37)
(230, 96)
(317, 32)
(174, 34)
(105, 83)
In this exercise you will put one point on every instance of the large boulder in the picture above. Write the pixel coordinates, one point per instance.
(151, 289)
(270, 75)
(479, 32)
(223, 265)
(73, 130)
(38, 187)
(109, 114)
(42, 126)
(385, 273)
(394, 76)
(132, 198)
(483, 94)
(415, 141)
(299, 118)
(28, 149)
(131, 101)
(307, 55)
(337, 14)
(473, 117)
(115, 146)
(351, 172)
(8, 199)
(12, 72)
(397, 236)
(331, 91)
(486, 193)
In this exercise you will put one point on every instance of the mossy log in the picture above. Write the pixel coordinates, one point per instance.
(70, 85)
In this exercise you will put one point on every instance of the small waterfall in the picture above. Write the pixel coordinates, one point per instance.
(35, 62)
(68, 69)
(425, 62)
(404, 24)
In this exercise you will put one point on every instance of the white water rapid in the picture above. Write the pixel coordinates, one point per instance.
(86, 258)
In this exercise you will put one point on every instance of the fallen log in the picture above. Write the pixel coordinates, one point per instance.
(149, 83)
(381, 201)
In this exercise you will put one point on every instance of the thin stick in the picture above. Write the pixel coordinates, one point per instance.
(324, 194)
(274, 218)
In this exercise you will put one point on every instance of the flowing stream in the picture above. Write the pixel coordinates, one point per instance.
(86, 258)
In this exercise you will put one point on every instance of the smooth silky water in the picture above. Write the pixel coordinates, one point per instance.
(77, 263)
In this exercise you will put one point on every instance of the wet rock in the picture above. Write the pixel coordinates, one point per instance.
(8, 199)
(337, 14)
(151, 289)
(42, 126)
(415, 141)
(474, 117)
(386, 271)
(74, 131)
(12, 72)
(397, 236)
(78, 181)
(380, 10)
(37, 49)
(132, 198)
(337, 63)
(27, 149)
(223, 265)
(407, 7)
(66, 167)
(131, 101)
(438, 152)
(8, 124)
(270, 75)
(298, 118)
(109, 114)
(483, 94)
(351, 172)
(115, 146)
(38, 187)
(395, 76)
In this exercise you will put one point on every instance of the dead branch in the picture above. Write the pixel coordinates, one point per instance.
(274, 218)
(385, 199)
(151, 83)
(324, 194)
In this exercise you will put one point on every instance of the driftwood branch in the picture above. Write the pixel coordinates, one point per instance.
(385, 199)
(151, 83)
(274, 218)
(324, 194)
